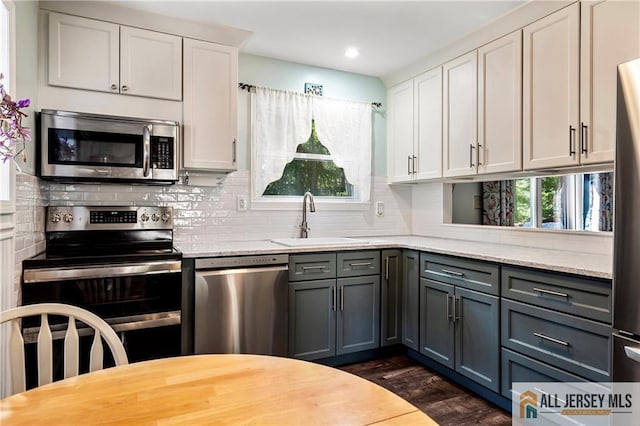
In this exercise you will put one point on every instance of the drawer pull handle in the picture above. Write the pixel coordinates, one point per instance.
(361, 264)
(550, 292)
(456, 308)
(312, 268)
(551, 339)
(454, 273)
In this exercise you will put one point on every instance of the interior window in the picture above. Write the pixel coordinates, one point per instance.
(582, 201)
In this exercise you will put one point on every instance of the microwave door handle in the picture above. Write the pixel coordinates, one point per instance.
(146, 150)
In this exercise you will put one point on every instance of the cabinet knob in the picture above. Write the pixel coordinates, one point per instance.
(125, 87)
(114, 87)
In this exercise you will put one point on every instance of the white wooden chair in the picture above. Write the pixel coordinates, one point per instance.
(101, 329)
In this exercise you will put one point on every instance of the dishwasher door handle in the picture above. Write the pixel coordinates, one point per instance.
(232, 271)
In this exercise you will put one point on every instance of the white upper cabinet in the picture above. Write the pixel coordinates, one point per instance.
(610, 35)
(550, 93)
(83, 53)
(150, 64)
(414, 126)
(428, 125)
(400, 132)
(210, 106)
(95, 55)
(500, 105)
(460, 153)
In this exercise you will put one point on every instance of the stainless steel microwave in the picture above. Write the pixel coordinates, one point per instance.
(91, 147)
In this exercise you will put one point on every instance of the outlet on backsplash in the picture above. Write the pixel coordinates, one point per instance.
(241, 203)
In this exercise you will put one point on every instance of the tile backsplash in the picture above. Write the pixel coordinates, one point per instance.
(208, 214)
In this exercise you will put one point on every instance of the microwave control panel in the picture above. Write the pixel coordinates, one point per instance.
(162, 152)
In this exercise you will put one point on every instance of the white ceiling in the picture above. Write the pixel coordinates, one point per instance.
(388, 34)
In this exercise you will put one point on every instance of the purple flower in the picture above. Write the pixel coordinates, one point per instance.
(12, 134)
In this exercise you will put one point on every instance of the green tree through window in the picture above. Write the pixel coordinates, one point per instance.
(312, 169)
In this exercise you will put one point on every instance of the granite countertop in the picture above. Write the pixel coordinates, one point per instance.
(586, 264)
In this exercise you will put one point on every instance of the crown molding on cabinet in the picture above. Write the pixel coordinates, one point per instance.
(520, 17)
(105, 11)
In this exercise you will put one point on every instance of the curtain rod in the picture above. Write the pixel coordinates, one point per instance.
(249, 87)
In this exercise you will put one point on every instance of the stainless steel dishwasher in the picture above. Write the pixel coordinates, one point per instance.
(241, 305)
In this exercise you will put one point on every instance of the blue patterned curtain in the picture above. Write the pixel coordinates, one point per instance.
(598, 201)
(497, 203)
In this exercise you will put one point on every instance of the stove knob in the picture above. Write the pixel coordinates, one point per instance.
(155, 217)
(55, 218)
(68, 218)
(144, 217)
(165, 217)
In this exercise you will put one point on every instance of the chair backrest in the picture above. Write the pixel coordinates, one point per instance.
(101, 330)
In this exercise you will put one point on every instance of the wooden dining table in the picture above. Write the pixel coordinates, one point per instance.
(212, 389)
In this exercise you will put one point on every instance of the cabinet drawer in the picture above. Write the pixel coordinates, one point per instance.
(471, 274)
(519, 368)
(574, 344)
(353, 264)
(589, 298)
(318, 266)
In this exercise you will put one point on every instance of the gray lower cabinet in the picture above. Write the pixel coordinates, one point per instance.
(555, 327)
(391, 298)
(460, 329)
(331, 317)
(520, 368)
(312, 319)
(410, 298)
(358, 318)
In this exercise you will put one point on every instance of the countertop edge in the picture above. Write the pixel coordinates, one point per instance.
(549, 260)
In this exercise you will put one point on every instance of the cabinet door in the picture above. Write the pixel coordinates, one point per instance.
(391, 298)
(610, 35)
(460, 115)
(312, 319)
(500, 105)
(550, 90)
(83, 53)
(477, 334)
(358, 319)
(436, 321)
(400, 132)
(210, 106)
(150, 64)
(410, 298)
(428, 119)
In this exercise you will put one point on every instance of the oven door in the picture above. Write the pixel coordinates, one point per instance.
(76, 146)
(141, 301)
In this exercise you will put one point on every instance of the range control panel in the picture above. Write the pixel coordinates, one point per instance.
(78, 218)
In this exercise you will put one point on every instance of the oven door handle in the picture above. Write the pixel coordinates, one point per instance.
(144, 324)
(93, 272)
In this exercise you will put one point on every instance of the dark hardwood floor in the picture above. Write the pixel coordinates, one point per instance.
(444, 401)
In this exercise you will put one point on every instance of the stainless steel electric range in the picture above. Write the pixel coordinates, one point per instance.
(117, 262)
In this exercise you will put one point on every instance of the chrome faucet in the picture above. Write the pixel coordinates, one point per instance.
(304, 227)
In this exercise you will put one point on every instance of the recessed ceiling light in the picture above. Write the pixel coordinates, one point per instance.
(351, 52)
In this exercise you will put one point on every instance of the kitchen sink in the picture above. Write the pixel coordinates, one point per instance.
(319, 241)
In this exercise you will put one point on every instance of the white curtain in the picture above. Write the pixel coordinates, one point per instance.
(344, 127)
(282, 120)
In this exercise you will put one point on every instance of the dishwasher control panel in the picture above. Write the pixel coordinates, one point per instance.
(242, 261)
